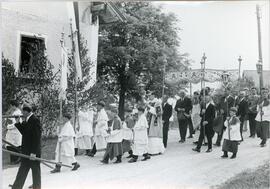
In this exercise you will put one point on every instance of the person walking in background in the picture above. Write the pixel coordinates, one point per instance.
(253, 101)
(183, 108)
(114, 140)
(65, 151)
(140, 141)
(85, 129)
(208, 115)
(242, 110)
(232, 134)
(13, 135)
(263, 117)
(166, 115)
(128, 125)
(101, 127)
(30, 129)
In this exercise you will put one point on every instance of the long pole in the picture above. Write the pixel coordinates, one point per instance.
(76, 79)
(35, 158)
(4, 141)
(203, 87)
(259, 45)
(163, 79)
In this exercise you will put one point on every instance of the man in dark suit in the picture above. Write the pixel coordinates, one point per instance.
(242, 110)
(30, 129)
(167, 113)
(183, 108)
(253, 100)
(208, 115)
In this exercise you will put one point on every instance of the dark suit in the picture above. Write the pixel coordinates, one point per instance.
(208, 128)
(242, 112)
(31, 144)
(167, 113)
(182, 119)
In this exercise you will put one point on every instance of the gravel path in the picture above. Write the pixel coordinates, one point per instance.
(179, 167)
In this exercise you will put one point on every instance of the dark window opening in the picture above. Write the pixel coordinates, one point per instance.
(30, 46)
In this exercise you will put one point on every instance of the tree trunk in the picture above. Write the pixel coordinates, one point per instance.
(122, 97)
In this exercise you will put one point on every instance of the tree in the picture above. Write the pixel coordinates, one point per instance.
(133, 52)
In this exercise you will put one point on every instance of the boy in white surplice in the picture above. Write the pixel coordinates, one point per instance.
(65, 152)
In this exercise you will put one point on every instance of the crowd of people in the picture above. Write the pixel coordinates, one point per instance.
(143, 131)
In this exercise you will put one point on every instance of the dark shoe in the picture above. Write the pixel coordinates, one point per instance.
(104, 162)
(181, 141)
(117, 161)
(262, 145)
(130, 156)
(208, 150)
(205, 144)
(31, 186)
(76, 166)
(10, 185)
(57, 169)
(196, 149)
(217, 144)
(196, 142)
(132, 160)
(252, 136)
(190, 136)
(146, 158)
(91, 154)
(224, 156)
(233, 156)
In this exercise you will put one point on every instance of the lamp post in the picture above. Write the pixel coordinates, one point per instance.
(239, 70)
(259, 67)
(203, 70)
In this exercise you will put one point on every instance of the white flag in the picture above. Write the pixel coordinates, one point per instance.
(93, 53)
(71, 15)
(64, 69)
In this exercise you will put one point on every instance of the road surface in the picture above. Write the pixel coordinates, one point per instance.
(179, 167)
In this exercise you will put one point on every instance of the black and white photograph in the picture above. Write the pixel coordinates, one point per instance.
(135, 94)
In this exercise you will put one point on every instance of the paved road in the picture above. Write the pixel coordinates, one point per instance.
(179, 167)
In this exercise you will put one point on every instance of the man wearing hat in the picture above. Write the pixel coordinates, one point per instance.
(30, 129)
(232, 134)
(100, 130)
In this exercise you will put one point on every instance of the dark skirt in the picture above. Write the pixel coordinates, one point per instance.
(230, 146)
(126, 146)
(113, 150)
(262, 129)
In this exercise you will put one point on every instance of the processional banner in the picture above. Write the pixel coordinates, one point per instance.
(196, 75)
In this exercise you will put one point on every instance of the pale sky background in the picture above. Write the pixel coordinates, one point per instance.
(224, 31)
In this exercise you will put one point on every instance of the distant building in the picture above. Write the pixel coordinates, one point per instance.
(253, 75)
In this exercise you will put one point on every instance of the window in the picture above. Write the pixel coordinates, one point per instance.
(29, 47)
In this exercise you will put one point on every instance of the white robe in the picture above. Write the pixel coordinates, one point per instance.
(13, 135)
(266, 114)
(101, 129)
(65, 145)
(234, 131)
(140, 146)
(85, 130)
(155, 142)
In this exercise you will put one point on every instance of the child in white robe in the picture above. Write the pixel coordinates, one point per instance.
(65, 152)
(85, 129)
(140, 141)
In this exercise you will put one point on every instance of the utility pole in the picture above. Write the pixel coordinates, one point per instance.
(259, 65)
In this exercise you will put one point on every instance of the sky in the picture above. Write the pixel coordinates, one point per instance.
(223, 31)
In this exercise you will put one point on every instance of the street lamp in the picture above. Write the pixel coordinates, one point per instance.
(202, 69)
(239, 71)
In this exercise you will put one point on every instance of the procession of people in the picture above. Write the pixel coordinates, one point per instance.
(143, 132)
